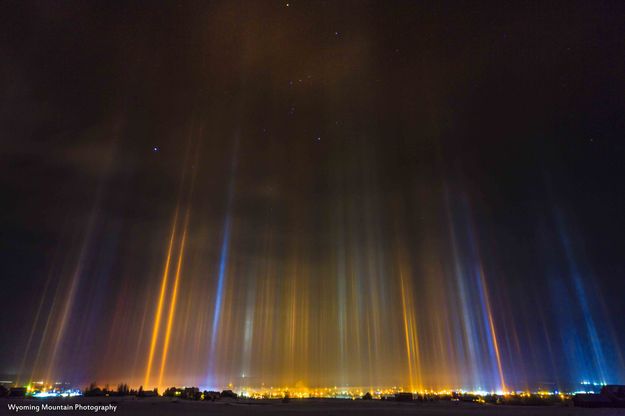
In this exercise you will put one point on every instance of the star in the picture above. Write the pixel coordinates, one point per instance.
(156, 149)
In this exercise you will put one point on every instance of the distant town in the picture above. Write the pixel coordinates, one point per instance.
(591, 395)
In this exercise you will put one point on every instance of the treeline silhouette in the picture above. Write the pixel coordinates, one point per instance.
(187, 393)
(122, 390)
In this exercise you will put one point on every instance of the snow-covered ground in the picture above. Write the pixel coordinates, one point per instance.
(330, 407)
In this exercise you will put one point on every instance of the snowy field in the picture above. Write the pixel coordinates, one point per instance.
(164, 406)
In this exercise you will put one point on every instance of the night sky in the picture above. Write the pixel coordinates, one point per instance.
(363, 193)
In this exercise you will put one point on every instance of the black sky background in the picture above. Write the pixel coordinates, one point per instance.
(517, 105)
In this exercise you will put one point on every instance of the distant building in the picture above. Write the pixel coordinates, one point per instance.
(191, 393)
(211, 395)
(229, 393)
(612, 395)
(17, 392)
(404, 397)
(6, 383)
(616, 394)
